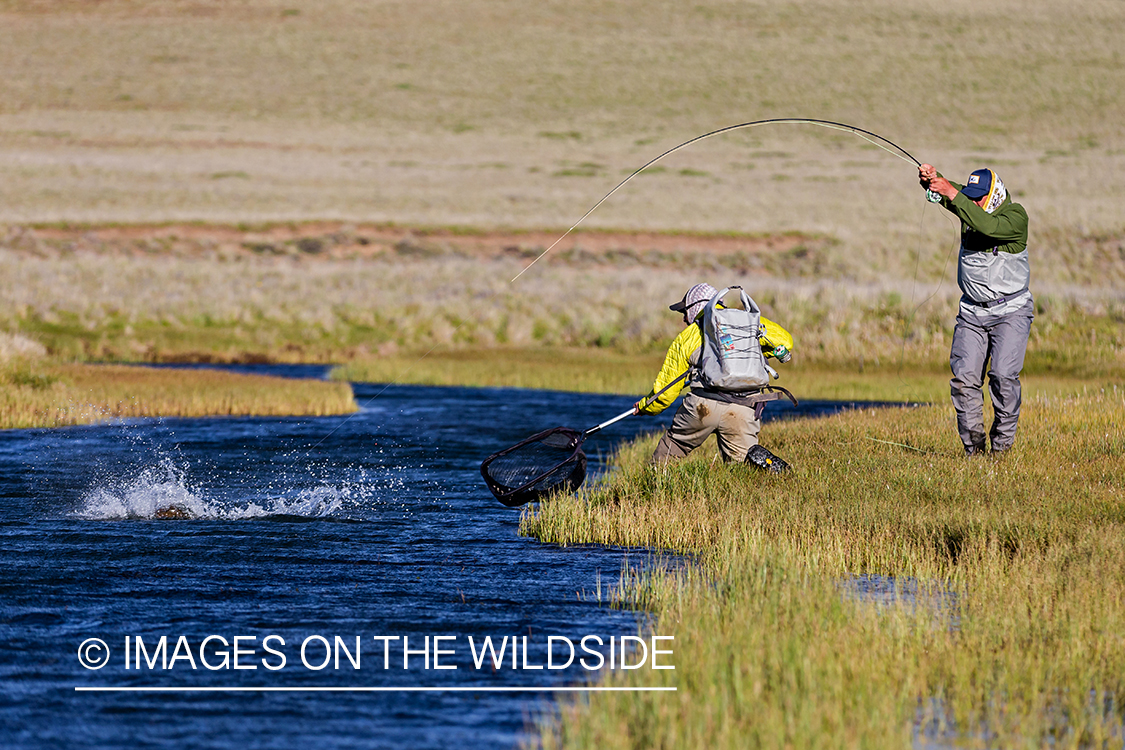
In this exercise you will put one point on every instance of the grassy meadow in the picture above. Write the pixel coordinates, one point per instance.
(344, 181)
(586, 320)
(368, 184)
(1001, 618)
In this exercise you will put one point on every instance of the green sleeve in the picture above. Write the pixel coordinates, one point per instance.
(1004, 226)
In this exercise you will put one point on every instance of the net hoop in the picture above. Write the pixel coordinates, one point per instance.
(529, 489)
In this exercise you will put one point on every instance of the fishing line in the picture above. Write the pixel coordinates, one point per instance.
(908, 323)
(900, 445)
(873, 138)
(866, 135)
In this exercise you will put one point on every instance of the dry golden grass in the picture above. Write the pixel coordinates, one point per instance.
(500, 113)
(39, 394)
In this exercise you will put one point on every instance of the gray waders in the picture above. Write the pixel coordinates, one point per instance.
(1000, 343)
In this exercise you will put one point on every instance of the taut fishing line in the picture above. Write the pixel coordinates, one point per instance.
(867, 135)
(873, 138)
(909, 322)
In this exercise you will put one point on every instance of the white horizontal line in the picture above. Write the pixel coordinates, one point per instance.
(263, 689)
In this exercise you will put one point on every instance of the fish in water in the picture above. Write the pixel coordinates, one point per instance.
(173, 513)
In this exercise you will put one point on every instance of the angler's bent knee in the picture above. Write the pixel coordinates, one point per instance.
(1006, 389)
(1009, 374)
(959, 387)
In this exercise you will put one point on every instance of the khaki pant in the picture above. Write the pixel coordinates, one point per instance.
(734, 426)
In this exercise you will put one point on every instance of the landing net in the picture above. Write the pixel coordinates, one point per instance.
(549, 461)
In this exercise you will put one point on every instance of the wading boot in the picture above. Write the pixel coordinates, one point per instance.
(975, 449)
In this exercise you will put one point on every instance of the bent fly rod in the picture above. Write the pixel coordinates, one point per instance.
(873, 138)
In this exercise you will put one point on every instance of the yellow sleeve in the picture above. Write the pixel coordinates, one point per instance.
(774, 336)
(676, 363)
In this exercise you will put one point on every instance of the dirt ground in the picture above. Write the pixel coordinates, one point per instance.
(339, 240)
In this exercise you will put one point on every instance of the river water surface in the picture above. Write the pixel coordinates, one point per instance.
(307, 530)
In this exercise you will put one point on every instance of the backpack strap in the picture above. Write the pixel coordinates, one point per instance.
(748, 304)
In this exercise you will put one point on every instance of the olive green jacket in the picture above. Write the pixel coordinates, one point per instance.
(993, 263)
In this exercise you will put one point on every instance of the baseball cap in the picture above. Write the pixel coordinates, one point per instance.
(978, 184)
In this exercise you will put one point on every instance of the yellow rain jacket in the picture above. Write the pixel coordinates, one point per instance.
(684, 353)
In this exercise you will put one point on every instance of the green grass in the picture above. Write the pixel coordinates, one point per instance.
(581, 370)
(1014, 628)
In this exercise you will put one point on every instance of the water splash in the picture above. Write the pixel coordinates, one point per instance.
(155, 491)
(163, 492)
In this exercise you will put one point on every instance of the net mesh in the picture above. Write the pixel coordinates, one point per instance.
(545, 462)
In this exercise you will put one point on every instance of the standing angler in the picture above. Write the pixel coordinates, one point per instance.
(994, 319)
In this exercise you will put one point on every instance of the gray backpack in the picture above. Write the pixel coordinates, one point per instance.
(731, 358)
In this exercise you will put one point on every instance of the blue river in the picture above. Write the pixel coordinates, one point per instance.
(341, 563)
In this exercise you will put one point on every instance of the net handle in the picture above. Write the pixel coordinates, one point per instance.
(634, 410)
(615, 420)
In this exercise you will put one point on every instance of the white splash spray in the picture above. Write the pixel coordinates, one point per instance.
(162, 491)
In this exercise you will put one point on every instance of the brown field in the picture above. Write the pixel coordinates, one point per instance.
(283, 181)
(496, 113)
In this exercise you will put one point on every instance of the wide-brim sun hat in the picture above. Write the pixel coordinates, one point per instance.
(698, 295)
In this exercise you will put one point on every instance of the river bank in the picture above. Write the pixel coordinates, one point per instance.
(594, 370)
(43, 392)
(1007, 590)
(320, 292)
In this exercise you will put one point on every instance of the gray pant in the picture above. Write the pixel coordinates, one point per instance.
(735, 426)
(1001, 343)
